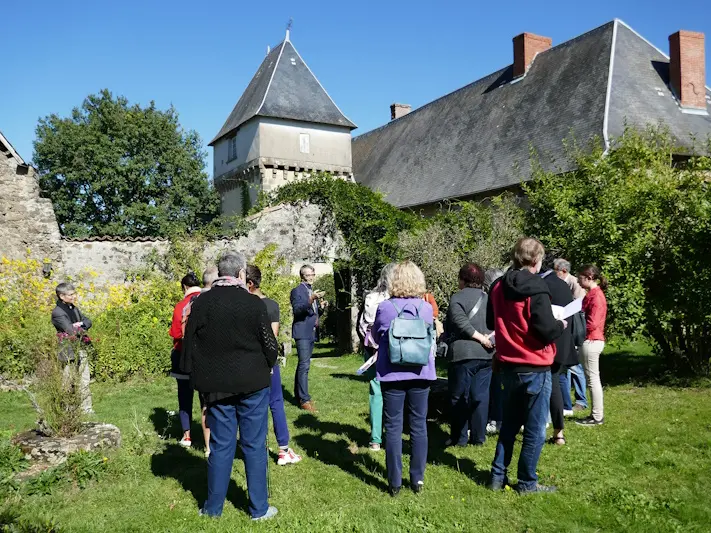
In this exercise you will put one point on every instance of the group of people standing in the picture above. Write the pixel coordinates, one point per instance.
(509, 360)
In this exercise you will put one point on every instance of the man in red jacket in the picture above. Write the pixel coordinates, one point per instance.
(519, 311)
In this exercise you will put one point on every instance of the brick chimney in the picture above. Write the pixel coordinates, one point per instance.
(526, 46)
(687, 71)
(399, 110)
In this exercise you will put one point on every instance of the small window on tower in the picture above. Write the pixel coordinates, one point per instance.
(232, 148)
(304, 144)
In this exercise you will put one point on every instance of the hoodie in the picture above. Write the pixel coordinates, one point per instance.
(519, 311)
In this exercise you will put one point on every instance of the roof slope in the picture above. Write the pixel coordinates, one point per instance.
(478, 138)
(284, 87)
(640, 93)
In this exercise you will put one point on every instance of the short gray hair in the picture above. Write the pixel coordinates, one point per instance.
(209, 276)
(231, 263)
(561, 264)
(304, 268)
(64, 288)
(386, 278)
(490, 276)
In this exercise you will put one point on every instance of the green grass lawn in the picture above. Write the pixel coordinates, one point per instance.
(647, 469)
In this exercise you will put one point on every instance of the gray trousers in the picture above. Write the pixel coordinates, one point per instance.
(84, 379)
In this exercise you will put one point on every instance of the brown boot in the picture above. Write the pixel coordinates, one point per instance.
(309, 406)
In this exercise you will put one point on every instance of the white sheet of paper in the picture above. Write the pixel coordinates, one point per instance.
(367, 365)
(561, 313)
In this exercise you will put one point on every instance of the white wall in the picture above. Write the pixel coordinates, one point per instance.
(247, 148)
(329, 145)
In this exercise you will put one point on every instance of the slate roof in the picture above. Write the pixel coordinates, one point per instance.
(284, 87)
(477, 139)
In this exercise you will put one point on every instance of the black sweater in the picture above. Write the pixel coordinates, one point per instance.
(229, 347)
(561, 295)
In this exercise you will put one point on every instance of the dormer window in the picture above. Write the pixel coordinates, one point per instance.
(232, 148)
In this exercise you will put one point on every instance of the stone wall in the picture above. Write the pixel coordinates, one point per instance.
(294, 229)
(26, 220)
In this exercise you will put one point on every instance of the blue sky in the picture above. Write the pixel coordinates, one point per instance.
(199, 56)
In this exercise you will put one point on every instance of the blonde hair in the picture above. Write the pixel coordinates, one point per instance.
(528, 252)
(408, 281)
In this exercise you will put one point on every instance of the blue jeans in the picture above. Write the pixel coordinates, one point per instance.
(469, 383)
(395, 394)
(185, 403)
(527, 399)
(578, 375)
(276, 406)
(249, 412)
(496, 399)
(304, 349)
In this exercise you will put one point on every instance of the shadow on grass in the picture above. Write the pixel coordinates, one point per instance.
(191, 472)
(437, 454)
(631, 367)
(352, 377)
(168, 425)
(338, 453)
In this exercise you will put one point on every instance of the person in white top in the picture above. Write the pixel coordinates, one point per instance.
(379, 294)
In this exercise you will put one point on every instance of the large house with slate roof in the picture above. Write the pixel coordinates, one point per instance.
(476, 141)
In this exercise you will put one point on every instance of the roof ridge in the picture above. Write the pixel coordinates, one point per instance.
(269, 85)
(608, 92)
(468, 85)
(640, 36)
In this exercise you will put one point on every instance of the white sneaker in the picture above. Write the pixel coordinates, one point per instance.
(568, 412)
(287, 457)
(186, 442)
(374, 447)
(493, 427)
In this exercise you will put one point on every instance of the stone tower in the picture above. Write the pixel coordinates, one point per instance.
(284, 126)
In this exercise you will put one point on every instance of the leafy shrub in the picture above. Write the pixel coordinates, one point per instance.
(12, 522)
(468, 231)
(644, 217)
(328, 326)
(277, 283)
(58, 395)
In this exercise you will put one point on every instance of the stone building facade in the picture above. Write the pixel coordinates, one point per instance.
(28, 225)
(284, 127)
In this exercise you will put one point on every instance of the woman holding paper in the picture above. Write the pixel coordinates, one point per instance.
(595, 309)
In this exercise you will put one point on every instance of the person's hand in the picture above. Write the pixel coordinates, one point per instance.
(78, 325)
(486, 343)
(565, 323)
(324, 304)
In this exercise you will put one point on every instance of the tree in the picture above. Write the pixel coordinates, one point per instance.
(643, 215)
(119, 169)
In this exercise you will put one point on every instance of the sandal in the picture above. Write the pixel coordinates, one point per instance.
(558, 441)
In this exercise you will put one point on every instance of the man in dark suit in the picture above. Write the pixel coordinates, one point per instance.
(70, 323)
(307, 305)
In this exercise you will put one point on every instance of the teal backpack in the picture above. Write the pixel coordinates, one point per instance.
(410, 340)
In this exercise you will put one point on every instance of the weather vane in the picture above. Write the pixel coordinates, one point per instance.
(289, 24)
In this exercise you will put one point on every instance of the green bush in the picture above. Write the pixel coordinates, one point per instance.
(22, 337)
(133, 339)
(467, 231)
(277, 283)
(328, 325)
(644, 217)
(58, 395)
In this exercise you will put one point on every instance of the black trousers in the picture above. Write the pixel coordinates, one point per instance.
(557, 397)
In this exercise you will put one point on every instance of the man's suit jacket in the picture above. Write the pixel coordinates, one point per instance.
(305, 317)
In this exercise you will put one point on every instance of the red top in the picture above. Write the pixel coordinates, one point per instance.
(176, 327)
(429, 298)
(595, 309)
(515, 342)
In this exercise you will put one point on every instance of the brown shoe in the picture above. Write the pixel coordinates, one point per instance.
(309, 406)
(577, 408)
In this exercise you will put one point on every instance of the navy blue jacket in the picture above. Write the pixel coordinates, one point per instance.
(305, 318)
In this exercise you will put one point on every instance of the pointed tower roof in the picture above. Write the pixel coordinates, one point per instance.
(284, 87)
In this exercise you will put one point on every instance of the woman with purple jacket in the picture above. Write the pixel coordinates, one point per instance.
(404, 385)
